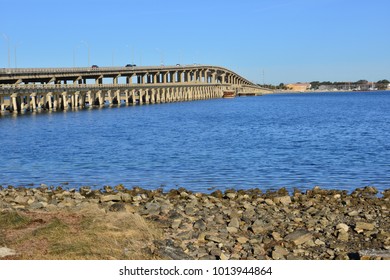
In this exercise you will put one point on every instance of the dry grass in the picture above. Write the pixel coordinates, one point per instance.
(77, 236)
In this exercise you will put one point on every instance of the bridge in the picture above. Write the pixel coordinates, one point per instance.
(35, 89)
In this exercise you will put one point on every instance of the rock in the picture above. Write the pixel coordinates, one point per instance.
(21, 199)
(168, 251)
(342, 227)
(199, 225)
(214, 238)
(299, 236)
(110, 197)
(231, 195)
(372, 253)
(117, 207)
(37, 205)
(276, 236)
(176, 223)
(260, 226)
(223, 257)
(269, 201)
(284, 200)
(4, 252)
(125, 197)
(343, 235)
(234, 222)
(152, 208)
(361, 226)
(232, 229)
(319, 242)
(242, 240)
(279, 252)
(353, 213)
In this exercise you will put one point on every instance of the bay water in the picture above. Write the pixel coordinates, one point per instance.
(332, 140)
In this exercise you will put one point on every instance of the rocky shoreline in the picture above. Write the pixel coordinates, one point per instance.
(316, 224)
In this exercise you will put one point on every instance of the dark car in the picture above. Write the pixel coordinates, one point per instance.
(130, 65)
(95, 66)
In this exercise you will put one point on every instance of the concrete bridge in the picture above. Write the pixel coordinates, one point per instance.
(33, 89)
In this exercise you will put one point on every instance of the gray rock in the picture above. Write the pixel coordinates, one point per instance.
(152, 208)
(168, 251)
(299, 236)
(117, 207)
(234, 222)
(213, 238)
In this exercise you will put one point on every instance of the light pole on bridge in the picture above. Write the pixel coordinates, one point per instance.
(9, 50)
(89, 52)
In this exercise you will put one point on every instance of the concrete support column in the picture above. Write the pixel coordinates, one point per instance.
(174, 94)
(179, 73)
(152, 96)
(187, 94)
(158, 95)
(167, 95)
(162, 95)
(82, 100)
(14, 103)
(181, 94)
(223, 79)
(90, 98)
(109, 97)
(77, 97)
(101, 97)
(176, 78)
(49, 103)
(127, 97)
(147, 96)
(55, 102)
(141, 93)
(34, 101)
(28, 103)
(118, 97)
(65, 101)
(213, 78)
(72, 100)
(129, 79)
(2, 105)
(133, 98)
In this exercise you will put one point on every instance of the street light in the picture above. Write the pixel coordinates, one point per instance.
(9, 50)
(132, 53)
(161, 56)
(89, 52)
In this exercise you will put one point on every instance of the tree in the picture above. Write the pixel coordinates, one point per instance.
(382, 84)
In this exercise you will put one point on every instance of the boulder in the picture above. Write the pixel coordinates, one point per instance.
(299, 236)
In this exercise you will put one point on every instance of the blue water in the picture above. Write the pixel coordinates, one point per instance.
(333, 140)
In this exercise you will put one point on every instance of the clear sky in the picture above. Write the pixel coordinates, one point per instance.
(269, 41)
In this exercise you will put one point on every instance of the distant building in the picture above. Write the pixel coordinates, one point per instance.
(299, 86)
(326, 88)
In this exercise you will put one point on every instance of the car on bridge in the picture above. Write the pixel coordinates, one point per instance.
(94, 66)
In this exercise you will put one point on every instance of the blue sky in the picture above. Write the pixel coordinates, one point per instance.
(264, 40)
